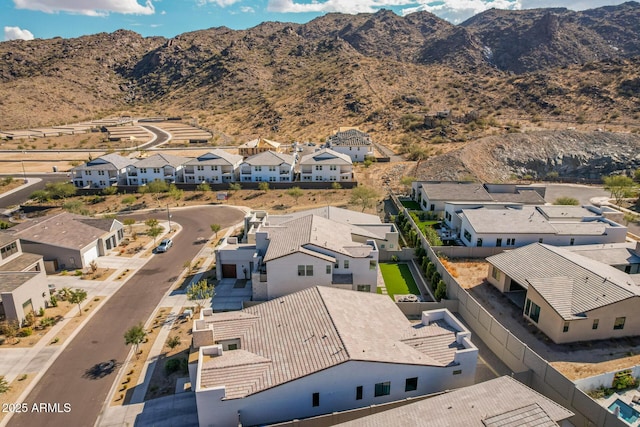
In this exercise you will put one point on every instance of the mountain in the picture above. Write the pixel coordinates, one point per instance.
(497, 72)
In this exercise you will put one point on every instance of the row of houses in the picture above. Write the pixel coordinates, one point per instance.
(215, 167)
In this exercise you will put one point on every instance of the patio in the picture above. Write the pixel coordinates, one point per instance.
(230, 294)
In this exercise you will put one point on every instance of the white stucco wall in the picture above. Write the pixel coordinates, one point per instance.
(283, 279)
(356, 153)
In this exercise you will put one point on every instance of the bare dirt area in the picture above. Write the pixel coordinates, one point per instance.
(16, 387)
(574, 360)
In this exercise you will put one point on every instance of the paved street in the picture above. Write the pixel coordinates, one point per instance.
(102, 337)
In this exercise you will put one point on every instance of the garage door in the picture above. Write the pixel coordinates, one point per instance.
(228, 271)
(89, 256)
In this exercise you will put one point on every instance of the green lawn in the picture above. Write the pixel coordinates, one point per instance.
(411, 205)
(398, 279)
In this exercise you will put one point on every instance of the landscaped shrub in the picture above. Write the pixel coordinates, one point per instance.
(434, 280)
(175, 365)
(441, 290)
(25, 332)
(431, 268)
(623, 379)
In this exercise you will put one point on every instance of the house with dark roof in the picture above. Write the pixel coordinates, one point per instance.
(326, 165)
(104, 171)
(161, 167)
(500, 402)
(322, 350)
(68, 241)
(213, 167)
(352, 142)
(23, 283)
(568, 296)
(268, 166)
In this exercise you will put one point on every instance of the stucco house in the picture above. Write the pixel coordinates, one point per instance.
(497, 402)
(322, 350)
(268, 166)
(567, 296)
(162, 167)
(68, 241)
(104, 171)
(23, 282)
(257, 146)
(326, 165)
(214, 167)
(352, 142)
(556, 225)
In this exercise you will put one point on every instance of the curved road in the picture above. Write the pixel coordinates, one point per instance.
(101, 339)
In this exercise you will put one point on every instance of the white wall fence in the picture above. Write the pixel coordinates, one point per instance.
(603, 380)
(527, 366)
(467, 251)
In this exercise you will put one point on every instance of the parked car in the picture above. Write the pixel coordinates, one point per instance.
(164, 245)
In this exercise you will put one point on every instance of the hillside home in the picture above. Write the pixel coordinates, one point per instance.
(68, 241)
(258, 146)
(268, 166)
(352, 142)
(497, 402)
(214, 167)
(567, 296)
(432, 195)
(161, 167)
(556, 225)
(104, 171)
(322, 350)
(23, 283)
(326, 165)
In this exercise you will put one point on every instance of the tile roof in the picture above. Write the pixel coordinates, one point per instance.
(6, 238)
(64, 230)
(481, 405)
(456, 191)
(344, 216)
(305, 332)
(529, 197)
(110, 161)
(303, 233)
(216, 157)
(570, 283)
(21, 262)
(351, 137)
(269, 158)
(10, 281)
(161, 160)
(326, 156)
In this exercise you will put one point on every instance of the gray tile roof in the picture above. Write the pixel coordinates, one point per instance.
(303, 233)
(308, 331)
(349, 137)
(269, 158)
(21, 262)
(64, 229)
(161, 160)
(326, 156)
(528, 197)
(110, 161)
(456, 191)
(480, 405)
(572, 284)
(10, 281)
(6, 238)
(216, 157)
(344, 216)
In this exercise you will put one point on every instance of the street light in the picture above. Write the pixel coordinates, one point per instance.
(169, 217)
(24, 174)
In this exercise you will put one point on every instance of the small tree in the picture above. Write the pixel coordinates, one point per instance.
(201, 292)
(203, 187)
(40, 196)
(129, 223)
(295, 192)
(234, 186)
(441, 290)
(60, 190)
(76, 297)
(336, 186)
(9, 328)
(263, 186)
(620, 186)
(154, 232)
(565, 200)
(4, 385)
(175, 192)
(215, 228)
(109, 191)
(173, 342)
(135, 336)
(363, 196)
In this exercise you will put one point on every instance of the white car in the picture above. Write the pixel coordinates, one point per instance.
(164, 245)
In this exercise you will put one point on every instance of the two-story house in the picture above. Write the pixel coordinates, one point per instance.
(257, 146)
(352, 142)
(161, 167)
(213, 167)
(268, 166)
(326, 165)
(102, 172)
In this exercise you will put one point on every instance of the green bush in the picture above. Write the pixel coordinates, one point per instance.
(25, 332)
(431, 268)
(176, 365)
(78, 273)
(623, 379)
(441, 290)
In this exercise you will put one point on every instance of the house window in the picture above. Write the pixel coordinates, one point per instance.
(627, 269)
(619, 323)
(232, 347)
(156, 170)
(144, 181)
(565, 327)
(200, 167)
(301, 270)
(498, 242)
(318, 167)
(382, 246)
(258, 168)
(318, 178)
(272, 168)
(495, 273)
(272, 178)
(359, 392)
(432, 208)
(364, 288)
(527, 306)
(214, 168)
(328, 269)
(143, 170)
(511, 242)
(382, 389)
(595, 323)
(316, 399)
(372, 265)
(457, 372)
(479, 242)
(540, 240)
(332, 167)
(9, 250)
(534, 312)
(467, 235)
(411, 384)
(309, 270)
(337, 264)
(101, 173)
(572, 241)
(346, 263)
(88, 173)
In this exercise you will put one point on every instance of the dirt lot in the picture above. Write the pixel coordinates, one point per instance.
(576, 360)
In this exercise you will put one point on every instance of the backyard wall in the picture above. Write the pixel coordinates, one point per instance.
(603, 380)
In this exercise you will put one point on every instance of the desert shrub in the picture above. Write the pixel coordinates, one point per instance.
(175, 365)
(25, 332)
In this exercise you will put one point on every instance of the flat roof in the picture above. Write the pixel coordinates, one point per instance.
(10, 281)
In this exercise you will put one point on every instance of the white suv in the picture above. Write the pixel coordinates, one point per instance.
(164, 245)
